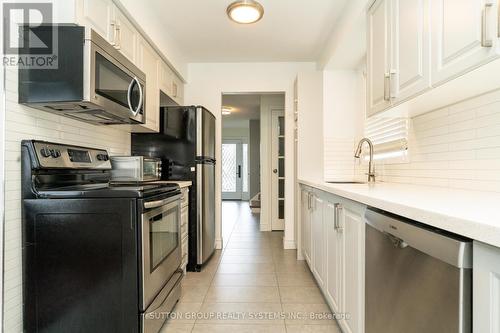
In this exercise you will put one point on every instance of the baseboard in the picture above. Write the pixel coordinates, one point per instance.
(218, 244)
(255, 210)
(289, 244)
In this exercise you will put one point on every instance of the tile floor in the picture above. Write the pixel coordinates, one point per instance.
(253, 285)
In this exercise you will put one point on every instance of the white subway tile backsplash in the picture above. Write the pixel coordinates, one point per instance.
(456, 147)
(22, 122)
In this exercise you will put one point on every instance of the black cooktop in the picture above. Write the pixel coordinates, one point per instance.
(106, 190)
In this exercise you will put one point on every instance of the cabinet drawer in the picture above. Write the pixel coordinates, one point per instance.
(185, 197)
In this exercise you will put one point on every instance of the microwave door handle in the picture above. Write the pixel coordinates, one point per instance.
(129, 98)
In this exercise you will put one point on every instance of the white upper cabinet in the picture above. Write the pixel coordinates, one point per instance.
(464, 36)
(415, 46)
(125, 36)
(166, 78)
(148, 63)
(378, 56)
(97, 14)
(410, 68)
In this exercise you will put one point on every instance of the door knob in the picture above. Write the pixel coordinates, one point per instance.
(275, 170)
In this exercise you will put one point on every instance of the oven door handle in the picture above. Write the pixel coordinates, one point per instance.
(159, 203)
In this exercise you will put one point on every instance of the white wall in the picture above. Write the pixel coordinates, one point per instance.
(343, 120)
(310, 125)
(207, 82)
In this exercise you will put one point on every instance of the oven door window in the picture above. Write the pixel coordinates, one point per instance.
(163, 235)
(113, 83)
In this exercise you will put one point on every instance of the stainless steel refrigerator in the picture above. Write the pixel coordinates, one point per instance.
(186, 145)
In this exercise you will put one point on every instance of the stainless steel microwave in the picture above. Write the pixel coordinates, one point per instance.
(93, 82)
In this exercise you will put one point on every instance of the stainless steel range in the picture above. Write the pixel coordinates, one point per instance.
(96, 257)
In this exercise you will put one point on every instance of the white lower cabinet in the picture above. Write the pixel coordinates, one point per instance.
(352, 226)
(319, 244)
(305, 219)
(486, 288)
(335, 259)
(333, 242)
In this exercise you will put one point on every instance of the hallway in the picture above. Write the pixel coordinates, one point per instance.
(253, 285)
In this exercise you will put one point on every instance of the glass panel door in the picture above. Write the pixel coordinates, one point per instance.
(278, 165)
(233, 170)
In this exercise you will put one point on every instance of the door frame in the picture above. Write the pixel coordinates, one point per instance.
(238, 194)
(276, 222)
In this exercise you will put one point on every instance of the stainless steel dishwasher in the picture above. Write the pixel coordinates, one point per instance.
(418, 279)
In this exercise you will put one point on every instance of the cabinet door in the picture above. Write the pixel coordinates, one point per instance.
(486, 288)
(353, 228)
(165, 78)
(97, 14)
(410, 66)
(334, 259)
(306, 227)
(459, 43)
(148, 62)
(126, 35)
(318, 241)
(178, 90)
(378, 56)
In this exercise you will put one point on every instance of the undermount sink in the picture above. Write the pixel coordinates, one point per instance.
(346, 182)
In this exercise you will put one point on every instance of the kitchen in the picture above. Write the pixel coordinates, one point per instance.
(417, 199)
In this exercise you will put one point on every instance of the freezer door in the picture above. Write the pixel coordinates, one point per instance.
(206, 211)
(205, 125)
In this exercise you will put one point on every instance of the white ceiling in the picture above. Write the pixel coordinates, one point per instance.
(291, 30)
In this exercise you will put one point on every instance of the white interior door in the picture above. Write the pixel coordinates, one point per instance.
(232, 170)
(278, 174)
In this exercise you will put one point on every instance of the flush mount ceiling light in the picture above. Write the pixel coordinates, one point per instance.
(245, 11)
(226, 111)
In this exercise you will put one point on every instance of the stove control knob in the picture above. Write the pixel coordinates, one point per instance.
(102, 157)
(45, 152)
(55, 153)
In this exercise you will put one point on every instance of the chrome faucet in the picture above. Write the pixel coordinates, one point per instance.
(371, 166)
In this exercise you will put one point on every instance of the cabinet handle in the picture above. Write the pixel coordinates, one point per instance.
(387, 87)
(113, 34)
(337, 226)
(392, 83)
(485, 40)
(118, 45)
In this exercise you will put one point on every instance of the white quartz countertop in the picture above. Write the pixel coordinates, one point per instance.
(472, 214)
(181, 183)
